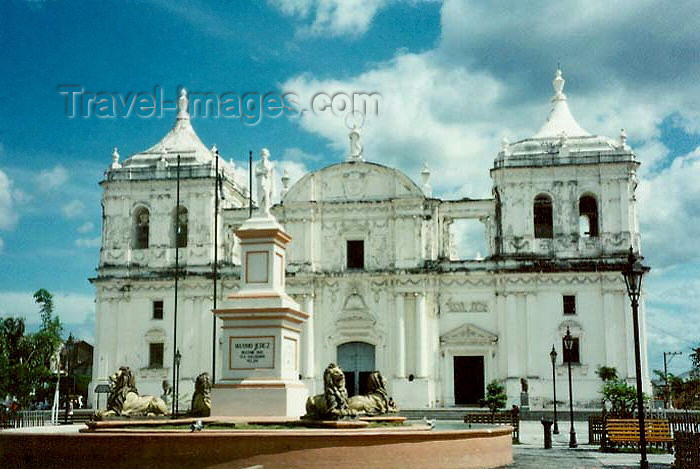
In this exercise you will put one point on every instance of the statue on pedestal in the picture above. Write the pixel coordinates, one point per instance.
(264, 173)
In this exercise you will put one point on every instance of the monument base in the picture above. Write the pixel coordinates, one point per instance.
(261, 398)
(411, 394)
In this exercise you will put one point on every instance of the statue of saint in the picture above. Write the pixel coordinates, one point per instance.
(264, 172)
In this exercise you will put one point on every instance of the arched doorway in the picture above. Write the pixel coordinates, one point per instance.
(356, 359)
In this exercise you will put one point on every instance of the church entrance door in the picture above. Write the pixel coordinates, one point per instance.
(356, 359)
(468, 379)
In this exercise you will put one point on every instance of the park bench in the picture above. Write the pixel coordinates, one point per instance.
(625, 432)
(505, 417)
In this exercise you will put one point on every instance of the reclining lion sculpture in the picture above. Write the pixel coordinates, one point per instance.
(333, 403)
(124, 399)
(377, 401)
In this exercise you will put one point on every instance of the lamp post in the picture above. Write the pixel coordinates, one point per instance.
(568, 345)
(176, 391)
(553, 356)
(633, 273)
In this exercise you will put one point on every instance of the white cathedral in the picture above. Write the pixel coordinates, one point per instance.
(372, 262)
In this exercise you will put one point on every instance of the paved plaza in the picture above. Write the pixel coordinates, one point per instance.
(532, 455)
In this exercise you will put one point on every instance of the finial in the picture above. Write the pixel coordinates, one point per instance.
(214, 149)
(183, 105)
(623, 139)
(115, 159)
(425, 175)
(563, 146)
(505, 143)
(558, 84)
(285, 184)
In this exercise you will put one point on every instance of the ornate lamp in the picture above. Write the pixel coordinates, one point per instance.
(176, 390)
(633, 273)
(553, 357)
(568, 346)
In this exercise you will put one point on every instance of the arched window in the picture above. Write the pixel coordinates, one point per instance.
(542, 211)
(588, 216)
(142, 221)
(181, 227)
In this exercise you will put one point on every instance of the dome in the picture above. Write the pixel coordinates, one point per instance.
(353, 181)
(181, 140)
(561, 139)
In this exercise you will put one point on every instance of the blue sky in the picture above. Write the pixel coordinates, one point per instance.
(455, 78)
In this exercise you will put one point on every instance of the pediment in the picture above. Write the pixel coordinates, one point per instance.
(468, 334)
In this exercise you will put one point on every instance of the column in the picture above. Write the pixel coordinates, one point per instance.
(400, 336)
(422, 334)
(512, 343)
(308, 338)
(535, 352)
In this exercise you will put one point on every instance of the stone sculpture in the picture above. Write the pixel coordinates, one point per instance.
(201, 399)
(167, 395)
(377, 401)
(124, 399)
(333, 403)
(266, 184)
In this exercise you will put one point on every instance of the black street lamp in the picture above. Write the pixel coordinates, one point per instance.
(568, 345)
(553, 356)
(633, 273)
(176, 391)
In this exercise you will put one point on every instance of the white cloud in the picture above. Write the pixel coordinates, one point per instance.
(331, 17)
(297, 154)
(54, 178)
(8, 217)
(85, 227)
(88, 242)
(69, 307)
(73, 209)
(669, 212)
(429, 111)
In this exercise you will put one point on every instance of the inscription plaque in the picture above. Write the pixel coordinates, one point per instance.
(249, 353)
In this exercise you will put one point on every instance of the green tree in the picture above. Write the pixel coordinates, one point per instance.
(496, 397)
(606, 373)
(695, 360)
(25, 359)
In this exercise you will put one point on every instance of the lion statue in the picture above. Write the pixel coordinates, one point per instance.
(333, 403)
(124, 399)
(201, 399)
(377, 401)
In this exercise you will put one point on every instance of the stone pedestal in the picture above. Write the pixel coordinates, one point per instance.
(261, 326)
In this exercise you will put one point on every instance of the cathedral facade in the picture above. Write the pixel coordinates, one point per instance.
(372, 262)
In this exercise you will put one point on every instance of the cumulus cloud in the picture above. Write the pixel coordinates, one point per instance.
(331, 17)
(73, 209)
(85, 227)
(297, 154)
(88, 242)
(8, 217)
(668, 212)
(53, 178)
